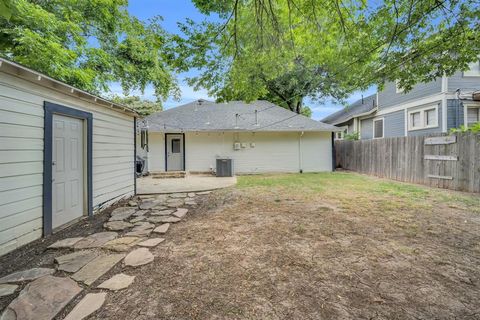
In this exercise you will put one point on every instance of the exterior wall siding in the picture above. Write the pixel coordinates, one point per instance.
(273, 151)
(366, 128)
(21, 156)
(388, 97)
(394, 124)
(458, 81)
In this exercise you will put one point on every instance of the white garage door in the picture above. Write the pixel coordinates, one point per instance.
(67, 170)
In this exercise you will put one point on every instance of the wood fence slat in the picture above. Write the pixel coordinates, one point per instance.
(451, 162)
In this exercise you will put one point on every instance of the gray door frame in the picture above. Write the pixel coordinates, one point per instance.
(51, 109)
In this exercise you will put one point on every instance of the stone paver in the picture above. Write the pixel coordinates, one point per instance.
(190, 203)
(162, 212)
(95, 240)
(117, 225)
(178, 195)
(122, 244)
(121, 216)
(88, 305)
(7, 289)
(138, 219)
(163, 219)
(151, 242)
(117, 282)
(138, 257)
(162, 229)
(180, 213)
(42, 299)
(123, 210)
(96, 268)
(65, 243)
(204, 192)
(139, 233)
(191, 194)
(27, 275)
(140, 213)
(132, 203)
(72, 262)
(149, 204)
(175, 203)
(143, 225)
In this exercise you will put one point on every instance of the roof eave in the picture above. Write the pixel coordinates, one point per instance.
(44, 80)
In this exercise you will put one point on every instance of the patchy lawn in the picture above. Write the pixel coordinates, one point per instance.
(314, 246)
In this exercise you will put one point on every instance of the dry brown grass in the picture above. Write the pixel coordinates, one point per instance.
(333, 246)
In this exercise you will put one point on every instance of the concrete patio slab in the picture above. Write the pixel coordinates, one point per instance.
(149, 185)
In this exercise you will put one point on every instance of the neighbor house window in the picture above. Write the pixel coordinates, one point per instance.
(473, 115)
(474, 70)
(430, 117)
(423, 118)
(378, 128)
(340, 135)
(415, 120)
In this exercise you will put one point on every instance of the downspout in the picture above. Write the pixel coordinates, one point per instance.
(134, 155)
(300, 160)
(334, 153)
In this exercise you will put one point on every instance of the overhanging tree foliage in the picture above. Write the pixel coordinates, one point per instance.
(142, 106)
(88, 44)
(343, 45)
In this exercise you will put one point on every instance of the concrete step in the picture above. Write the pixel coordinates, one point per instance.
(168, 174)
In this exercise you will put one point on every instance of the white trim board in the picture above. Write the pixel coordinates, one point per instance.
(417, 103)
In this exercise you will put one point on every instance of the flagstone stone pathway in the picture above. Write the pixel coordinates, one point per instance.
(93, 256)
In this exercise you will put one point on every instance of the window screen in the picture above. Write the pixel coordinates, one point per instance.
(473, 115)
(378, 128)
(430, 117)
(175, 145)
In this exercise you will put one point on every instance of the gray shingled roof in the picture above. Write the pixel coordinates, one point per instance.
(202, 115)
(356, 108)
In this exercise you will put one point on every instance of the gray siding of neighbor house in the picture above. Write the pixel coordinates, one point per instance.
(422, 132)
(454, 113)
(389, 96)
(366, 128)
(394, 124)
(458, 81)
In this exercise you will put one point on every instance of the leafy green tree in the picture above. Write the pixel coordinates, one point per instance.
(342, 46)
(88, 44)
(142, 106)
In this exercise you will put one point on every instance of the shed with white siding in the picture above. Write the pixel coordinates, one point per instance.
(258, 137)
(64, 153)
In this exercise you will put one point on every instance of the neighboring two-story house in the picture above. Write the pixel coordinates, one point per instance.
(433, 107)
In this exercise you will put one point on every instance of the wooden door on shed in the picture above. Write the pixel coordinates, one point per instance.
(67, 170)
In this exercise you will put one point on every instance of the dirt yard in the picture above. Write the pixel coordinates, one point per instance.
(314, 246)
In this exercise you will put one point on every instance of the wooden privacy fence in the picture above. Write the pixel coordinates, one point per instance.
(451, 162)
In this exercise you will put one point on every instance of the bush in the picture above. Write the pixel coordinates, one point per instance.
(352, 136)
(475, 128)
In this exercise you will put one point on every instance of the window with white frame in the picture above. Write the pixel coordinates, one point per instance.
(473, 70)
(340, 135)
(473, 115)
(423, 118)
(378, 128)
(430, 118)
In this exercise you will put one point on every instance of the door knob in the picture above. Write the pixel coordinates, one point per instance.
(53, 163)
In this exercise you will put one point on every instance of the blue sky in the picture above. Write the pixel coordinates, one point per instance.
(179, 10)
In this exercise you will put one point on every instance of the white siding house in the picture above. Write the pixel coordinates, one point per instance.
(63, 154)
(259, 137)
